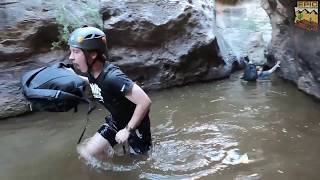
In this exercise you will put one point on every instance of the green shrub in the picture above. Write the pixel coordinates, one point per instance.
(68, 19)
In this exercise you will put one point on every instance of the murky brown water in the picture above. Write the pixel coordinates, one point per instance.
(221, 130)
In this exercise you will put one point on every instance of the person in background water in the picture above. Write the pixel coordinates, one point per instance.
(266, 74)
(127, 103)
(253, 72)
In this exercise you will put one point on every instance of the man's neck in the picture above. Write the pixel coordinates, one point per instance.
(97, 69)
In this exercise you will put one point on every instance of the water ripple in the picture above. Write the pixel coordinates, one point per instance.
(194, 150)
(204, 149)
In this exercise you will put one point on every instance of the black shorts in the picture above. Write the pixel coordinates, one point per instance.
(139, 141)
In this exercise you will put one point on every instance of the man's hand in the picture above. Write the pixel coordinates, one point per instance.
(278, 64)
(122, 136)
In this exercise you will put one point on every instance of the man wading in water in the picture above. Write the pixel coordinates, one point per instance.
(126, 101)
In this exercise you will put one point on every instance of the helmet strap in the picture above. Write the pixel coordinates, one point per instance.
(90, 65)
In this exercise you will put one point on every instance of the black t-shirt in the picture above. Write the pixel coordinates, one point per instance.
(110, 88)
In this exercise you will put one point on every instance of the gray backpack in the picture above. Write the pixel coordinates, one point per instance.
(53, 88)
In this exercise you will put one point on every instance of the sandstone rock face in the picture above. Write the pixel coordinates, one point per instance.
(296, 48)
(159, 44)
(163, 43)
(26, 27)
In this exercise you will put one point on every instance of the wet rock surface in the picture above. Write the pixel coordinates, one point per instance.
(164, 43)
(296, 48)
